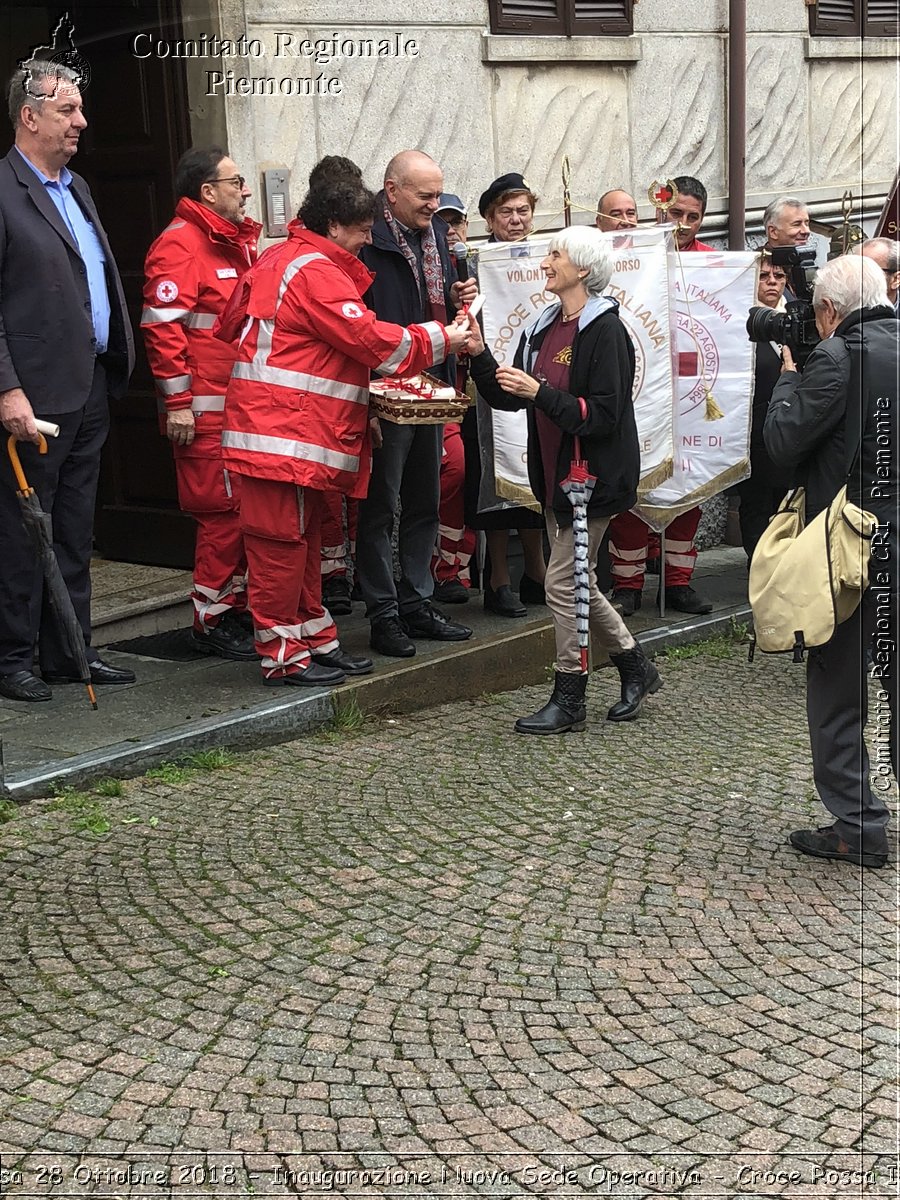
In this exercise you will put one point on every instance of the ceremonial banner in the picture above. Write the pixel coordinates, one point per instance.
(714, 293)
(510, 277)
(641, 284)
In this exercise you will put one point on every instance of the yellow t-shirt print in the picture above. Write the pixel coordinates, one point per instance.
(563, 357)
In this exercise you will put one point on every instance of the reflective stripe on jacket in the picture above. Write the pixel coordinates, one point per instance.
(189, 274)
(297, 406)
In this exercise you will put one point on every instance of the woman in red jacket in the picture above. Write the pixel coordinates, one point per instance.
(297, 417)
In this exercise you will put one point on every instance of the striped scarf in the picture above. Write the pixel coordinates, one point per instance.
(434, 273)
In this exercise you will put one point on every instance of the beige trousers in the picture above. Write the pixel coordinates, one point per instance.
(560, 589)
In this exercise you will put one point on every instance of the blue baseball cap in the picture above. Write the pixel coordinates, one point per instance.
(451, 203)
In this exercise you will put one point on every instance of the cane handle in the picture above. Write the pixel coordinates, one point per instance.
(13, 453)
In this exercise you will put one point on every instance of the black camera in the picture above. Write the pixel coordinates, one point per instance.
(796, 327)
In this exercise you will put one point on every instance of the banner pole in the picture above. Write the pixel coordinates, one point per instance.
(662, 571)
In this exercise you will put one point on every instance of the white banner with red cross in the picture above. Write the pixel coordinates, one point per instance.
(713, 294)
(510, 277)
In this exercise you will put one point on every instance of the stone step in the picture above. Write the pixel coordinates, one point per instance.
(130, 600)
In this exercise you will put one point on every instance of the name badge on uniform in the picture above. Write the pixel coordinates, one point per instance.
(226, 273)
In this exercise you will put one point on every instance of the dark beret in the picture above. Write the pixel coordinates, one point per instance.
(513, 182)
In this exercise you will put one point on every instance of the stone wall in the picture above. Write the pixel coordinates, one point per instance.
(625, 110)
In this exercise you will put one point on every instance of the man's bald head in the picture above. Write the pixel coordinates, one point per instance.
(616, 209)
(405, 163)
(413, 184)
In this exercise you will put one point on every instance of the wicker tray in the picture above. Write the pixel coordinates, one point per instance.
(418, 409)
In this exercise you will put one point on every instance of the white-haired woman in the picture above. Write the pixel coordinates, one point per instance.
(573, 372)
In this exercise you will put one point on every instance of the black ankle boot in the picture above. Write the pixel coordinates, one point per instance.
(639, 677)
(563, 711)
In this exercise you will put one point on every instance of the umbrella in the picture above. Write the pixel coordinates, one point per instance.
(38, 524)
(578, 486)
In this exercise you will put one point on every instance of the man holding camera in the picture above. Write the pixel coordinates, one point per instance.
(848, 396)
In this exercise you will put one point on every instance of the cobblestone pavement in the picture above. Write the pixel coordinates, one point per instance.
(434, 958)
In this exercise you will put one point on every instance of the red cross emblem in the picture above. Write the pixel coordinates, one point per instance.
(166, 291)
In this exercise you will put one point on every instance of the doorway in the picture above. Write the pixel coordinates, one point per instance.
(138, 127)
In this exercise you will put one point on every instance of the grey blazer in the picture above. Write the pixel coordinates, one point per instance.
(46, 334)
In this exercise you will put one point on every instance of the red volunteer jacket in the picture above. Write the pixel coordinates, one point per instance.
(297, 406)
(189, 274)
(696, 244)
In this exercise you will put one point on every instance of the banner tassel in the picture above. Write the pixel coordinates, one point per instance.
(713, 412)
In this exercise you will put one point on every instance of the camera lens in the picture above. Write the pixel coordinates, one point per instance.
(766, 325)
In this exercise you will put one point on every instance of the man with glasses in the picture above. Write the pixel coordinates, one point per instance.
(885, 253)
(415, 282)
(190, 272)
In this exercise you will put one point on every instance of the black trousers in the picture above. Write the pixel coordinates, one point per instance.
(406, 475)
(65, 479)
(837, 709)
(758, 503)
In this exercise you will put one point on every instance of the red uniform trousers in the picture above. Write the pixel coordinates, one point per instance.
(628, 541)
(281, 524)
(209, 494)
(456, 543)
(334, 537)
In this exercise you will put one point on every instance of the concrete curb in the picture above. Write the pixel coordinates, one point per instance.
(502, 662)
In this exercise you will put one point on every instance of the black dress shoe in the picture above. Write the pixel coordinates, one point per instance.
(531, 592)
(311, 676)
(430, 622)
(228, 639)
(389, 637)
(828, 843)
(101, 672)
(350, 664)
(504, 602)
(451, 592)
(24, 685)
(685, 599)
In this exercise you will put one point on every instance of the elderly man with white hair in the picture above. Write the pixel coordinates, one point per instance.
(840, 423)
(573, 374)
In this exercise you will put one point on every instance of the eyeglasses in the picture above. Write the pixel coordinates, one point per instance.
(238, 179)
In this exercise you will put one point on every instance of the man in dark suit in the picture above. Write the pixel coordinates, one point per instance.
(65, 346)
(415, 281)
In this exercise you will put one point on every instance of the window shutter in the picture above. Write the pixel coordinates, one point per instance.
(602, 16)
(527, 16)
(882, 18)
(838, 18)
